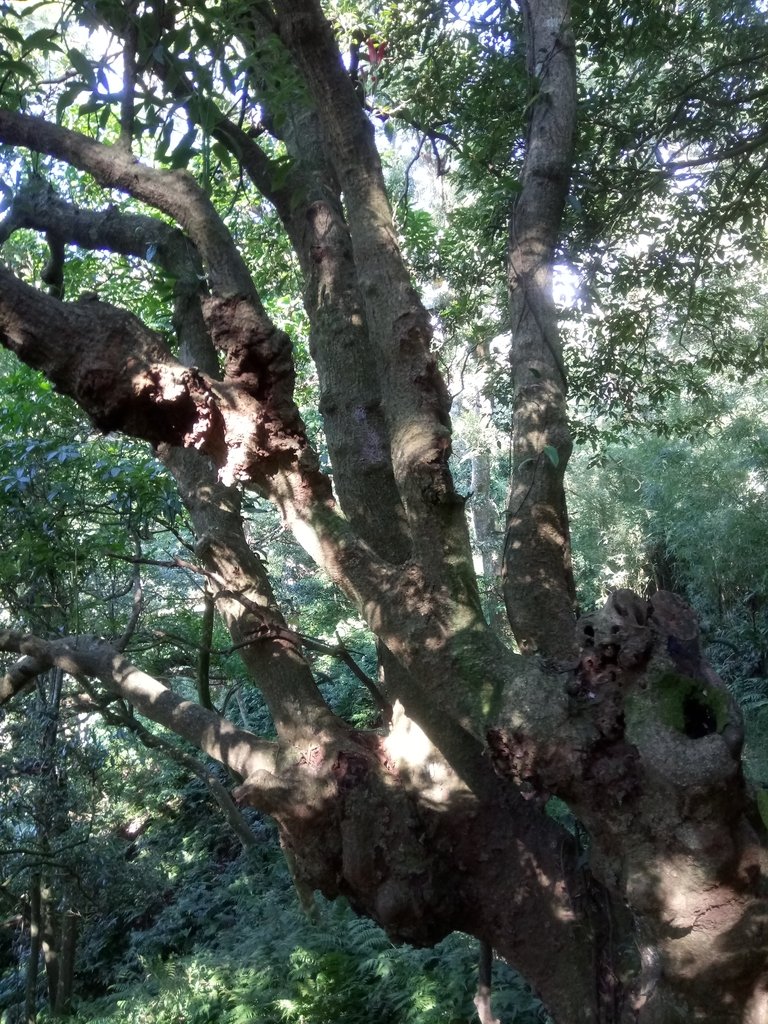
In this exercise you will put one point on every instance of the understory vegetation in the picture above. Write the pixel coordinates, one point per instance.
(192, 928)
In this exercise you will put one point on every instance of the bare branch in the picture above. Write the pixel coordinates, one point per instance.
(743, 147)
(137, 605)
(174, 192)
(241, 751)
(20, 677)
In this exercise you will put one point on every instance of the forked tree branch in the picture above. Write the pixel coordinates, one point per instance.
(123, 375)
(257, 620)
(173, 192)
(415, 399)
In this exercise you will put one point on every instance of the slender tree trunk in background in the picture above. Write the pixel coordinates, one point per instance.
(50, 942)
(661, 567)
(484, 991)
(66, 965)
(204, 653)
(33, 964)
(538, 578)
(242, 708)
(52, 821)
(485, 528)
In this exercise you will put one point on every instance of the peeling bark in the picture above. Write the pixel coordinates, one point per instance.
(657, 782)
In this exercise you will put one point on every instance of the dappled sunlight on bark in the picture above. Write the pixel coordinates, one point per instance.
(470, 808)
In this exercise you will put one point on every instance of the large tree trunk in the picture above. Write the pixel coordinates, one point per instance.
(441, 823)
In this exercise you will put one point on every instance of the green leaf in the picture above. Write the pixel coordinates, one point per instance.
(552, 454)
(65, 100)
(44, 39)
(220, 151)
(12, 33)
(762, 805)
(89, 106)
(30, 9)
(82, 65)
(182, 155)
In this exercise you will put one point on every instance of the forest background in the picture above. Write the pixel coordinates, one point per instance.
(154, 896)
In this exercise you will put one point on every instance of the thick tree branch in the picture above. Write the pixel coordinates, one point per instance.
(119, 371)
(258, 355)
(241, 751)
(538, 580)
(174, 192)
(243, 589)
(125, 378)
(244, 596)
(20, 677)
(36, 205)
(416, 401)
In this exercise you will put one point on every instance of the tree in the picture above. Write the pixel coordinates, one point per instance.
(440, 822)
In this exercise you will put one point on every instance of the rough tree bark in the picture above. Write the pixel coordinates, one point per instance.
(440, 823)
